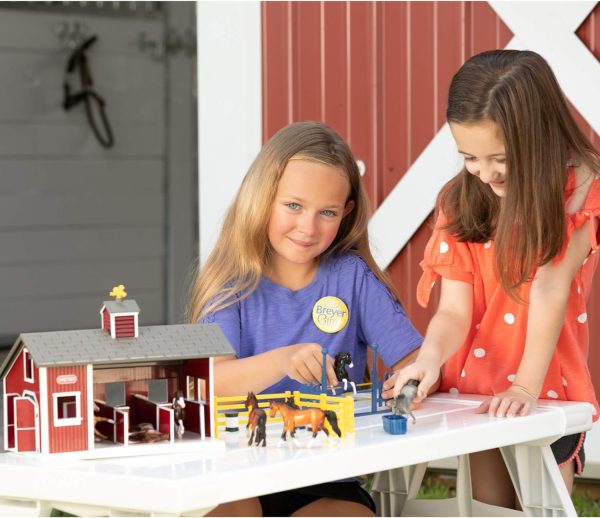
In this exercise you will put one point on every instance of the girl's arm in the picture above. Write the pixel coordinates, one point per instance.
(446, 332)
(302, 362)
(547, 307)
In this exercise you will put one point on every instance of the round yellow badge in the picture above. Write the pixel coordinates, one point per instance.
(330, 314)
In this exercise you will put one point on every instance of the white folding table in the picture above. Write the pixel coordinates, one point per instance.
(193, 483)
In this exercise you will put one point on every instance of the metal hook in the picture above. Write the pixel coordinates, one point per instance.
(71, 33)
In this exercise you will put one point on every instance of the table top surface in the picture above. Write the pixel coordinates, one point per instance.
(446, 426)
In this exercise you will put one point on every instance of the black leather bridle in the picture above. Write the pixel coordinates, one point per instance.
(78, 61)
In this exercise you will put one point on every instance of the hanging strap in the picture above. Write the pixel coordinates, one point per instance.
(78, 61)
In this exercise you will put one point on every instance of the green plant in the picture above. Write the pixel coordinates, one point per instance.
(586, 505)
(433, 489)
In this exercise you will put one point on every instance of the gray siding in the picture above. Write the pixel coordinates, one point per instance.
(76, 219)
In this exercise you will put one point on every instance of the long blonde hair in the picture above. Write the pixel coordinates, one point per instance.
(519, 92)
(234, 267)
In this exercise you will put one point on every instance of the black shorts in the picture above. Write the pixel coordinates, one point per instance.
(570, 449)
(288, 502)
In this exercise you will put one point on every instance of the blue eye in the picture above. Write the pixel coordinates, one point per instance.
(292, 206)
(328, 213)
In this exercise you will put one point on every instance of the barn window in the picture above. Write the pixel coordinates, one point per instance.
(67, 408)
(28, 367)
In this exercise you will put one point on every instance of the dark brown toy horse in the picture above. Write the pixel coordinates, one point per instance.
(257, 421)
(315, 417)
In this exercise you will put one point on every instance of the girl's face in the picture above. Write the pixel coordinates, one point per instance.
(307, 211)
(483, 149)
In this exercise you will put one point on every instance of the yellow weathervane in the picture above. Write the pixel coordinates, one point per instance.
(118, 292)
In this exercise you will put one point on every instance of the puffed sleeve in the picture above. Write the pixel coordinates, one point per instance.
(229, 322)
(589, 212)
(444, 256)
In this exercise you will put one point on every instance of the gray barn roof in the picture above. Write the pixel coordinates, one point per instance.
(155, 343)
(123, 306)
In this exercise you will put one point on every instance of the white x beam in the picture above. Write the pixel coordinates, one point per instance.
(544, 27)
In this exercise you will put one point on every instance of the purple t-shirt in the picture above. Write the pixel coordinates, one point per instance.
(274, 316)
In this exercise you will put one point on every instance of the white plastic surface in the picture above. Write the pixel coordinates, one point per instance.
(194, 482)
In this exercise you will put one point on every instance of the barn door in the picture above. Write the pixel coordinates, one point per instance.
(26, 424)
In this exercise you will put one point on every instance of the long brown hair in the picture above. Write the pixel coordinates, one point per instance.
(518, 91)
(234, 267)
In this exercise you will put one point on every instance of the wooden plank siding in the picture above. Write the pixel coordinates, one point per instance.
(75, 218)
(379, 74)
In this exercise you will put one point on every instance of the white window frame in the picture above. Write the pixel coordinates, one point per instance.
(28, 359)
(67, 421)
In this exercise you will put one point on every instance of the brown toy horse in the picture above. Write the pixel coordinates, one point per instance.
(315, 417)
(257, 421)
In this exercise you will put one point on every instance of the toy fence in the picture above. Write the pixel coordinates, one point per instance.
(343, 406)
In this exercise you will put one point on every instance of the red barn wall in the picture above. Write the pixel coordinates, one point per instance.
(200, 368)
(15, 379)
(68, 438)
(378, 72)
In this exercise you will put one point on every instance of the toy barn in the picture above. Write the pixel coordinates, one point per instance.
(76, 391)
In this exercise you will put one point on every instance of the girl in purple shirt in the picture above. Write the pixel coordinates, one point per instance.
(291, 273)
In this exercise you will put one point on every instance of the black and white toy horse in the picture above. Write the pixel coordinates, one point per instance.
(339, 366)
(179, 413)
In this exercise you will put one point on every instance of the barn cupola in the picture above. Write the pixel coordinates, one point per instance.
(120, 317)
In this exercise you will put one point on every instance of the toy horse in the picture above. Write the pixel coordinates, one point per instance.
(401, 404)
(315, 417)
(339, 366)
(99, 419)
(257, 421)
(145, 432)
(179, 413)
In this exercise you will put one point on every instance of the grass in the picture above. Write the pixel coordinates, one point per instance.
(436, 486)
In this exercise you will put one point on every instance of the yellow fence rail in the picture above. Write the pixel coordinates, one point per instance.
(343, 406)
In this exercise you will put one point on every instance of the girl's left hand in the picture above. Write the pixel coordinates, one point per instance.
(515, 401)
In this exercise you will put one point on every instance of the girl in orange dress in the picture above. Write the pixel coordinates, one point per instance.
(514, 245)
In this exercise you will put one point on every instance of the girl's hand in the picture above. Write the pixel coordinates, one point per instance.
(304, 364)
(510, 403)
(423, 371)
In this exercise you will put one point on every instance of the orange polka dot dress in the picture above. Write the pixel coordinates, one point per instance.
(488, 360)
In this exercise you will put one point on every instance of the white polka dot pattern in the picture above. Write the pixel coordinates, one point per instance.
(564, 382)
(582, 318)
(444, 247)
(463, 374)
(479, 352)
(509, 318)
(454, 391)
(511, 377)
(487, 244)
(552, 394)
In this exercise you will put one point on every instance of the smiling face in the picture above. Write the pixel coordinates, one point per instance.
(483, 149)
(307, 211)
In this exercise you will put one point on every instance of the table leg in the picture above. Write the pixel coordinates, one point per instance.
(16, 507)
(537, 480)
(391, 489)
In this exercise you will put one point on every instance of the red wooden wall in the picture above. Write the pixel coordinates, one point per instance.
(378, 72)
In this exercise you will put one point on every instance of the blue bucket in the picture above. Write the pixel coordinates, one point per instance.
(394, 424)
